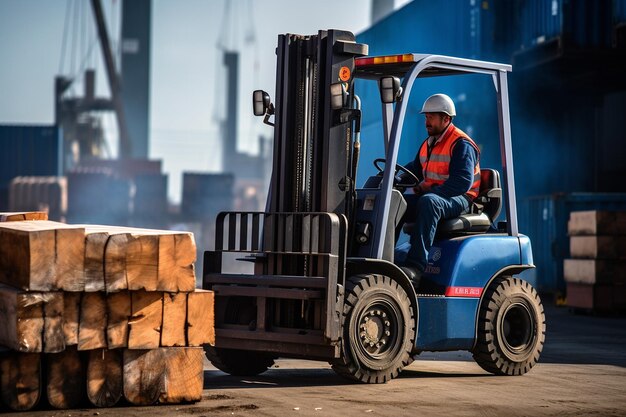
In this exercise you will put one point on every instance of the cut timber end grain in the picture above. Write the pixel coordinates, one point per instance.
(95, 243)
(174, 318)
(23, 215)
(142, 259)
(118, 313)
(71, 317)
(115, 263)
(53, 336)
(93, 321)
(42, 255)
(20, 380)
(146, 320)
(169, 375)
(65, 379)
(184, 375)
(200, 318)
(177, 254)
(143, 376)
(21, 315)
(104, 377)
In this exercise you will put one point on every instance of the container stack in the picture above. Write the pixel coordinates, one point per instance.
(99, 313)
(596, 274)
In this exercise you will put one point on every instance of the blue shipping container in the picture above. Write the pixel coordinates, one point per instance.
(545, 223)
(619, 11)
(28, 151)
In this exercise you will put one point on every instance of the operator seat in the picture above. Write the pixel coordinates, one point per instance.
(483, 213)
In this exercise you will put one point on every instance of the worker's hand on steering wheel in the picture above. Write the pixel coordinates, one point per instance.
(403, 178)
(422, 188)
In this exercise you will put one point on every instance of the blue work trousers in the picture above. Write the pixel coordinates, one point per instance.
(426, 211)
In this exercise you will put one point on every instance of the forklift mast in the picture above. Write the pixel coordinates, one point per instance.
(312, 147)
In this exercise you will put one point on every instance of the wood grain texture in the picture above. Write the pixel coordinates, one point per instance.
(42, 256)
(23, 215)
(174, 319)
(20, 380)
(118, 314)
(167, 375)
(93, 321)
(184, 375)
(21, 315)
(104, 377)
(143, 376)
(65, 379)
(200, 318)
(146, 320)
(177, 254)
(95, 243)
(53, 336)
(71, 317)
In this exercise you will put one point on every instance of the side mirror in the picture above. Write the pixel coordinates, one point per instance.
(338, 96)
(390, 89)
(261, 103)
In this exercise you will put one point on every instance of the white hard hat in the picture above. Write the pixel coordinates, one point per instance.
(439, 103)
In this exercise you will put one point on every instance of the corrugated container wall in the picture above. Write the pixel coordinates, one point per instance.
(580, 23)
(28, 151)
(619, 11)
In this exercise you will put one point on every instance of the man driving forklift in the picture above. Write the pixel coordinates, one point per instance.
(447, 165)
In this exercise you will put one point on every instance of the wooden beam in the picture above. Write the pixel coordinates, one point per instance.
(593, 222)
(118, 313)
(21, 315)
(93, 321)
(20, 380)
(65, 383)
(167, 375)
(146, 320)
(200, 318)
(53, 336)
(177, 254)
(174, 319)
(42, 256)
(23, 215)
(71, 317)
(601, 247)
(104, 377)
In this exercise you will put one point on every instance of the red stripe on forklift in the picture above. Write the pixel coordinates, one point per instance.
(470, 292)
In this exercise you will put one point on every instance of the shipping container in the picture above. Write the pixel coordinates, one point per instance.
(99, 197)
(577, 23)
(48, 194)
(545, 222)
(28, 150)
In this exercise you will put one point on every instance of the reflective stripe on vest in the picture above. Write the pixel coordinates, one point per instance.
(436, 169)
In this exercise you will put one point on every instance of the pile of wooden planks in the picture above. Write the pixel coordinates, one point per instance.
(596, 273)
(99, 312)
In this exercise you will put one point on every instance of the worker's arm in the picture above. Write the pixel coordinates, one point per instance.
(461, 171)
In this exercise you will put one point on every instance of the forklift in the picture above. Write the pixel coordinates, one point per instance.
(321, 282)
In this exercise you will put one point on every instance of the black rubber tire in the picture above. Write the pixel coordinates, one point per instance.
(239, 362)
(378, 330)
(511, 328)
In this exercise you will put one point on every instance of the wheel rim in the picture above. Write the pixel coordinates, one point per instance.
(378, 331)
(517, 329)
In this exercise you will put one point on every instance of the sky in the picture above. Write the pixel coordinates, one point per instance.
(187, 94)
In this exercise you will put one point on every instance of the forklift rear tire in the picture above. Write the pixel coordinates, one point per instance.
(378, 330)
(511, 328)
(239, 362)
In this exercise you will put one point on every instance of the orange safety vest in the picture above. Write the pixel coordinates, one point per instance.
(436, 167)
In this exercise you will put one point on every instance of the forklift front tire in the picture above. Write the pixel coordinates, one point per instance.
(378, 330)
(511, 328)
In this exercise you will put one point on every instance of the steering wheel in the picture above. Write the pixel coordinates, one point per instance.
(397, 182)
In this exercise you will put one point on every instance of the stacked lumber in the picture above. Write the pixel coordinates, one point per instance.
(596, 273)
(99, 313)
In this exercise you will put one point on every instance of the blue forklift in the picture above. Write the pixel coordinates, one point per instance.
(321, 280)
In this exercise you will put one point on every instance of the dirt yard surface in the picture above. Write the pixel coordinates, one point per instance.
(582, 373)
